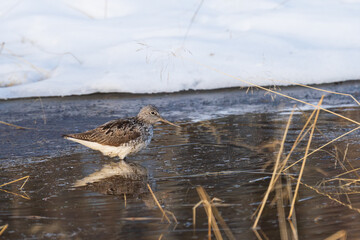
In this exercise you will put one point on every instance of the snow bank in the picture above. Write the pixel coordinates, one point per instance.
(65, 47)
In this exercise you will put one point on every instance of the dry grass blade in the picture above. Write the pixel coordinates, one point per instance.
(81, 11)
(194, 213)
(24, 195)
(299, 138)
(26, 179)
(13, 125)
(125, 200)
(257, 234)
(305, 158)
(281, 211)
(275, 172)
(140, 218)
(173, 216)
(293, 228)
(220, 173)
(207, 207)
(210, 217)
(3, 228)
(339, 235)
(341, 174)
(345, 160)
(191, 22)
(44, 72)
(158, 204)
(292, 221)
(323, 90)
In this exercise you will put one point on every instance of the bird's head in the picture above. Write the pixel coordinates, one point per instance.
(150, 114)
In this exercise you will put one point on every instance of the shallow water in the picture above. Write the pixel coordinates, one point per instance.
(229, 153)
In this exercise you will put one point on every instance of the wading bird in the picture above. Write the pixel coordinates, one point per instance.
(121, 137)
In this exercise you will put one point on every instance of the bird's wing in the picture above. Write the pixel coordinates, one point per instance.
(113, 133)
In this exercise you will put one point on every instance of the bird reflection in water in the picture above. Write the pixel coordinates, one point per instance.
(116, 178)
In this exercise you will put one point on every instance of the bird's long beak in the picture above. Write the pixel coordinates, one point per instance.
(166, 121)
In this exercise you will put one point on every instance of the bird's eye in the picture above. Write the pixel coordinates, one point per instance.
(153, 113)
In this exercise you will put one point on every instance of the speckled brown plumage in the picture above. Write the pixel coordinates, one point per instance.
(113, 133)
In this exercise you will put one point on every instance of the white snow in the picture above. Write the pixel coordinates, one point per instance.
(65, 47)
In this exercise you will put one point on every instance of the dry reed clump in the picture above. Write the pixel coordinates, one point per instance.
(288, 230)
(345, 185)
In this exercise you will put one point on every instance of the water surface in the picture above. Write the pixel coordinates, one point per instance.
(229, 151)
